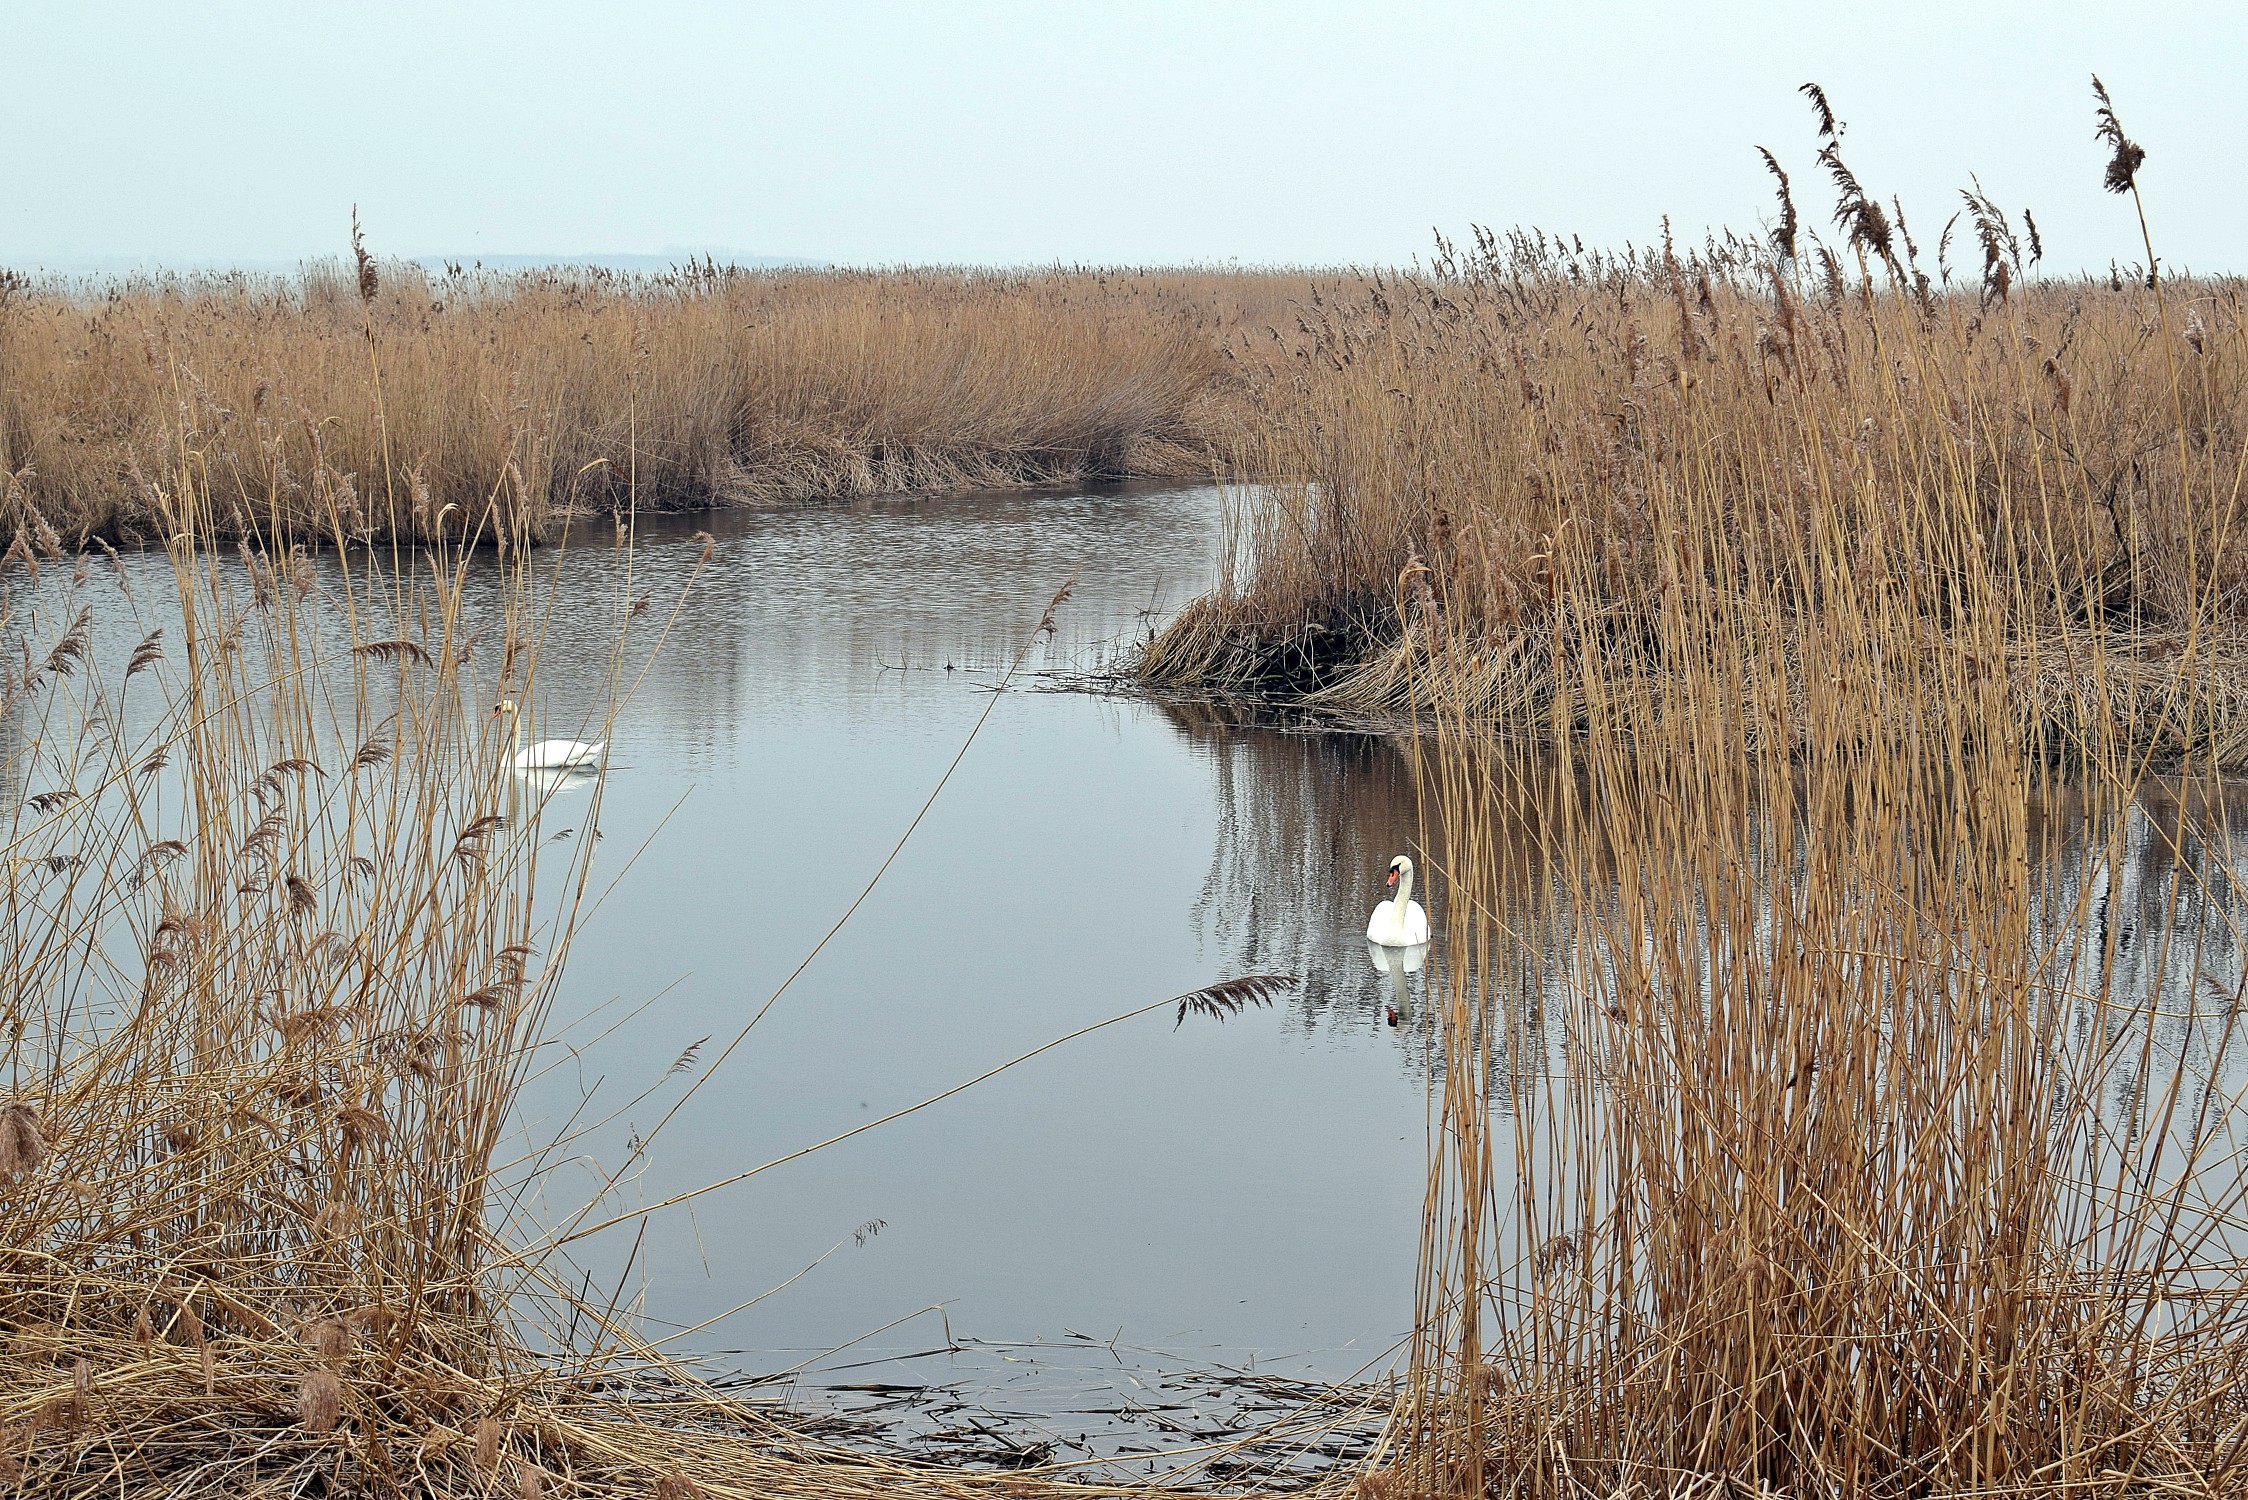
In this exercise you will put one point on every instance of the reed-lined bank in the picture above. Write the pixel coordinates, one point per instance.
(1877, 1156)
(273, 971)
(1534, 432)
(396, 401)
(281, 947)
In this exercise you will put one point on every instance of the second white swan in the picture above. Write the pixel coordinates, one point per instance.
(548, 755)
(1399, 922)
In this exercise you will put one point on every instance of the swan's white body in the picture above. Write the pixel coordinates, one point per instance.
(549, 755)
(559, 755)
(1399, 922)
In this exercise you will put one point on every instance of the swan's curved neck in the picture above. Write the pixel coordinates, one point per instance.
(1404, 891)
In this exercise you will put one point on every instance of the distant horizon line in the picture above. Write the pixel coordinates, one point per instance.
(96, 266)
(619, 260)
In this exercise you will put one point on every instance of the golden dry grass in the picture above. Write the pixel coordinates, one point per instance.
(1841, 1080)
(1746, 604)
(1524, 422)
(1818, 1123)
(279, 945)
(448, 404)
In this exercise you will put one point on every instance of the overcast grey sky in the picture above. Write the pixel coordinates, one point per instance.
(1162, 131)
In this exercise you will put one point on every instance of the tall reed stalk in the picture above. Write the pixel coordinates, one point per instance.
(274, 965)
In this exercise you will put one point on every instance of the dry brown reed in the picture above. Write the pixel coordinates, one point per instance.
(1522, 421)
(249, 1112)
(1836, 1100)
(277, 949)
(392, 400)
(1823, 1127)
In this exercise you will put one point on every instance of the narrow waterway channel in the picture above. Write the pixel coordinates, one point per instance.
(1239, 1194)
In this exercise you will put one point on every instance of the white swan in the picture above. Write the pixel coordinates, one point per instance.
(1399, 922)
(548, 755)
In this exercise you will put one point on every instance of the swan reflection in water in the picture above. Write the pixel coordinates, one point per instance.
(1396, 962)
(1407, 960)
(1397, 937)
(542, 784)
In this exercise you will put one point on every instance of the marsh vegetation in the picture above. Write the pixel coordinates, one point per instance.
(1818, 666)
(494, 404)
(1868, 1170)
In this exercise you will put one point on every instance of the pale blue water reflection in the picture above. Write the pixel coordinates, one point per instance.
(1245, 1191)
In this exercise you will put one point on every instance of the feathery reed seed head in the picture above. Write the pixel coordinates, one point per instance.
(1228, 998)
(2125, 156)
(487, 1443)
(23, 1142)
(320, 1401)
(329, 1338)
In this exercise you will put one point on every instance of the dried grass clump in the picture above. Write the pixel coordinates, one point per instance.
(250, 1117)
(22, 1144)
(1532, 444)
(320, 1398)
(341, 403)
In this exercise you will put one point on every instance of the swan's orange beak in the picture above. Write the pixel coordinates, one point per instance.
(1392, 878)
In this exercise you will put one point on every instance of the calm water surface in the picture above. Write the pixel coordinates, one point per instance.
(1235, 1193)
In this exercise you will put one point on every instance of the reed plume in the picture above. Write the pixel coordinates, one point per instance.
(1784, 232)
(1229, 997)
(2125, 156)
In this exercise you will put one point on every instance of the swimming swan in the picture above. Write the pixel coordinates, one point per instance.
(548, 755)
(1399, 922)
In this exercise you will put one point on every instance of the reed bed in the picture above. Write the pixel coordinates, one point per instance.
(380, 399)
(1789, 635)
(1861, 1121)
(272, 969)
(280, 942)
(1841, 1086)
(1524, 419)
